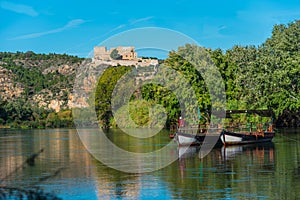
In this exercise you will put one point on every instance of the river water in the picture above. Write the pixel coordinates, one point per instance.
(265, 171)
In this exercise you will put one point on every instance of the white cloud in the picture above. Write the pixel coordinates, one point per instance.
(140, 20)
(19, 8)
(117, 28)
(69, 25)
(213, 31)
(131, 22)
(123, 26)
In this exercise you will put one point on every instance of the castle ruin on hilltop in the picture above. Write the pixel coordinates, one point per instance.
(121, 55)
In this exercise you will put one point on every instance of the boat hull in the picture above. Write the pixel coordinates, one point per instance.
(184, 139)
(231, 138)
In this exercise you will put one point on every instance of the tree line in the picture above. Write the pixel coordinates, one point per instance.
(255, 77)
(27, 69)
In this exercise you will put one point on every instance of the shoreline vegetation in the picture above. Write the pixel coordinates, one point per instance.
(255, 77)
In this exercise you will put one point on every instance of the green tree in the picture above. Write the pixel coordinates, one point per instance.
(105, 87)
(115, 54)
(165, 97)
(280, 59)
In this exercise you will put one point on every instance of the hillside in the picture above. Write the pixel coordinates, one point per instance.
(36, 89)
(34, 85)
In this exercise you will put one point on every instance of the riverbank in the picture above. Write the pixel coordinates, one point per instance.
(237, 172)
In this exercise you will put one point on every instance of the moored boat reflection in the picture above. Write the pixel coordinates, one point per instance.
(260, 151)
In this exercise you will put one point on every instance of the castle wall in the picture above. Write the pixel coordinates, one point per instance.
(101, 53)
(127, 62)
(128, 57)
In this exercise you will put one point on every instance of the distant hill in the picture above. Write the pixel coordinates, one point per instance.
(30, 82)
(36, 89)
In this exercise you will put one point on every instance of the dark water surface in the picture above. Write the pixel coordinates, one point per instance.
(265, 171)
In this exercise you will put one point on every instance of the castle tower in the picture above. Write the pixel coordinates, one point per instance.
(101, 53)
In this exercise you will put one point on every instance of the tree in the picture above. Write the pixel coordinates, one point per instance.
(280, 55)
(115, 54)
(193, 81)
(268, 76)
(104, 91)
(241, 74)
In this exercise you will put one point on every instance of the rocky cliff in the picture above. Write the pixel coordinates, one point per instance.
(9, 88)
(45, 81)
(37, 88)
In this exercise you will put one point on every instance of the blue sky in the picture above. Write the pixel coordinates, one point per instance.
(75, 27)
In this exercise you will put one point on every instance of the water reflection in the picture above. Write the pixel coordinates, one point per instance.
(264, 152)
(106, 148)
(187, 151)
(61, 149)
(234, 171)
(268, 170)
(113, 184)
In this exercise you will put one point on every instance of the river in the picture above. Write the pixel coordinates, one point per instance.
(265, 171)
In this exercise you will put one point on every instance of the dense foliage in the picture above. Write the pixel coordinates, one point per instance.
(30, 71)
(262, 77)
(266, 76)
(104, 90)
(115, 54)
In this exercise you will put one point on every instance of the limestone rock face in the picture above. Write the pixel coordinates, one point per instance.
(8, 87)
(55, 96)
(56, 74)
(55, 105)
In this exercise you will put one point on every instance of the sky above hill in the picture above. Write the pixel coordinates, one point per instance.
(75, 27)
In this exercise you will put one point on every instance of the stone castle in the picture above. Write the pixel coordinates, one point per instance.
(127, 57)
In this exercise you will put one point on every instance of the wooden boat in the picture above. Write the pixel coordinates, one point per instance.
(232, 135)
(187, 135)
(230, 138)
(195, 135)
(185, 139)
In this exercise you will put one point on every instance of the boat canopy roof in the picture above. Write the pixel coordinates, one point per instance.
(263, 113)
